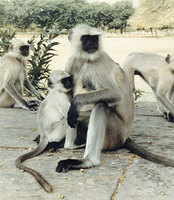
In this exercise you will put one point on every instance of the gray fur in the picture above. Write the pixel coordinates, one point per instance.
(13, 77)
(158, 73)
(109, 100)
(111, 120)
(52, 122)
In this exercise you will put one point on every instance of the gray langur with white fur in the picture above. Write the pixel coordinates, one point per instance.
(158, 72)
(52, 121)
(13, 77)
(101, 88)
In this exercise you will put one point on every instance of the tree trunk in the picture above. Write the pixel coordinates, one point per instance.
(156, 33)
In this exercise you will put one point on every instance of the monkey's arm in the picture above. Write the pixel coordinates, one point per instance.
(10, 88)
(31, 88)
(103, 95)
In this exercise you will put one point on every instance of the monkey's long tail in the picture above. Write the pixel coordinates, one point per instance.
(140, 151)
(46, 186)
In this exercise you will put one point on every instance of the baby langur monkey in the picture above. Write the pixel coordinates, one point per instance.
(52, 121)
(13, 77)
(158, 72)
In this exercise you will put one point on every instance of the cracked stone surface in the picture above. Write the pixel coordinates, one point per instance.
(120, 176)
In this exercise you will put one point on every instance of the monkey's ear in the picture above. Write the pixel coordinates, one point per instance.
(68, 82)
(70, 35)
(167, 59)
(29, 42)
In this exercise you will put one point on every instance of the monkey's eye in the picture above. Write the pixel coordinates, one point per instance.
(26, 47)
(49, 83)
(84, 37)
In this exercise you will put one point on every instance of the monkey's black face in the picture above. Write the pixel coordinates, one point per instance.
(89, 43)
(24, 50)
(68, 82)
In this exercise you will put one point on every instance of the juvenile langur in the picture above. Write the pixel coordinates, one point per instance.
(52, 121)
(105, 86)
(13, 77)
(158, 72)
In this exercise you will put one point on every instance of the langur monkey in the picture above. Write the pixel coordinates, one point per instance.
(52, 121)
(102, 84)
(13, 77)
(158, 72)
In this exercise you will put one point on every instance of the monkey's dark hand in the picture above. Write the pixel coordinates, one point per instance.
(33, 105)
(72, 115)
(168, 116)
(41, 97)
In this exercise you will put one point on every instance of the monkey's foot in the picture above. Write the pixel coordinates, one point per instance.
(53, 146)
(33, 104)
(168, 116)
(37, 139)
(69, 164)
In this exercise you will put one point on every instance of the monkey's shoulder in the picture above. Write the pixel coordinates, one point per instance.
(12, 61)
(74, 65)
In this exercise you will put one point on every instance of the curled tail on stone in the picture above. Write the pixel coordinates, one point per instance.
(46, 186)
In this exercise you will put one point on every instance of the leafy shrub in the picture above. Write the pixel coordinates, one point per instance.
(43, 52)
(6, 37)
(137, 94)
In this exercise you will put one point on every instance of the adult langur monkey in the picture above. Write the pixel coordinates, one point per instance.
(107, 88)
(158, 72)
(52, 121)
(13, 77)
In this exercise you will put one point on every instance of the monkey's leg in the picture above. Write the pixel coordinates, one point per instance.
(161, 96)
(71, 134)
(95, 139)
(12, 91)
(74, 140)
(164, 112)
(161, 108)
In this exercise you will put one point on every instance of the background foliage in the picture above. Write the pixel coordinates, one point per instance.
(37, 14)
(25, 14)
(43, 52)
(6, 37)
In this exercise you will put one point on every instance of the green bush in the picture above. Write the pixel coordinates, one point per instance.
(6, 37)
(137, 94)
(43, 52)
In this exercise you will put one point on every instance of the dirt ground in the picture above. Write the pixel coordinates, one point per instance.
(118, 48)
